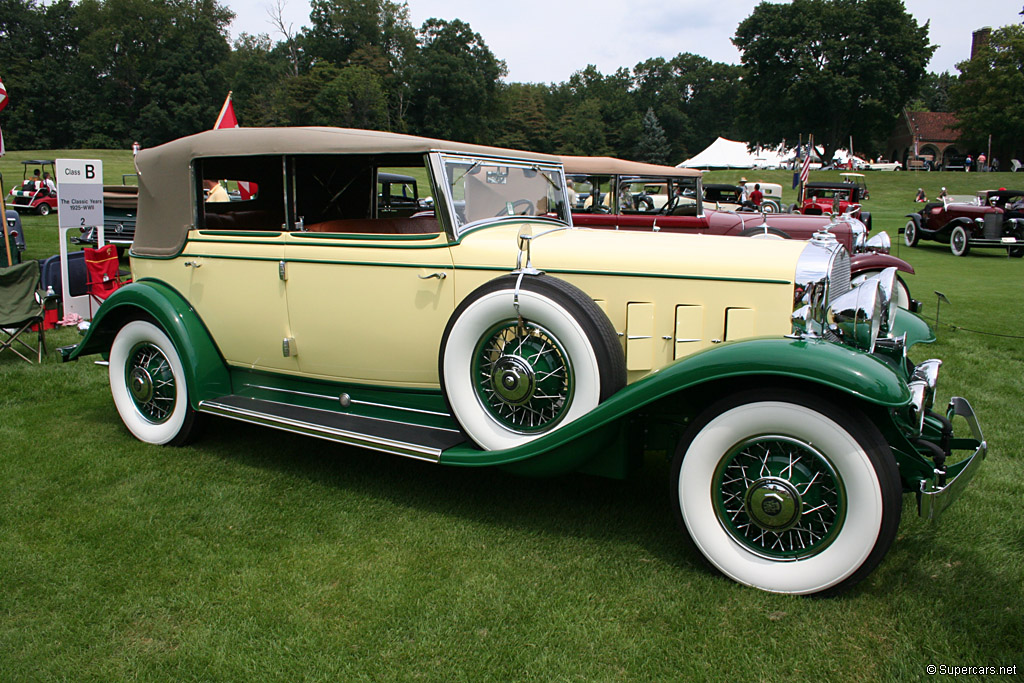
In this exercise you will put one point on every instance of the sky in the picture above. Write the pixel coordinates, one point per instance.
(546, 41)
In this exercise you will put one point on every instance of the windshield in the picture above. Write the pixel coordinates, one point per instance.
(481, 189)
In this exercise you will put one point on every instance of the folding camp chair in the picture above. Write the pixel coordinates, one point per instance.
(21, 307)
(102, 273)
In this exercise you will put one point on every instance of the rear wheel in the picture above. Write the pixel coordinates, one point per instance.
(1015, 252)
(786, 492)
(43, 209)
(959, 242)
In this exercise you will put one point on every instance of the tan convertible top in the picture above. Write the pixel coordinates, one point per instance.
(166, 209)
(613, 166)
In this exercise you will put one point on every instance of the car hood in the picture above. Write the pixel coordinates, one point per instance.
(647, 254)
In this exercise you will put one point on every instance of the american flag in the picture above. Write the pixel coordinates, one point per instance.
(227, 119)
(806, 168)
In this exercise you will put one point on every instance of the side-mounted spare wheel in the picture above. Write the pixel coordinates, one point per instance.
(511, 375)
(786, 492)
(148, 384)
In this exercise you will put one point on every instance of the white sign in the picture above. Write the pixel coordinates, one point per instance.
(79, 193)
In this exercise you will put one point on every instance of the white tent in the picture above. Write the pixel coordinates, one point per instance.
(722, 153)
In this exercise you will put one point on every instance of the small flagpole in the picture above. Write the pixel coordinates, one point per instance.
(223, 110)
(7, 237)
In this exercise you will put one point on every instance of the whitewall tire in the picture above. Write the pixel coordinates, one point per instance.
(959, 241)
(147, 381)
(784, 492)
(508, 379)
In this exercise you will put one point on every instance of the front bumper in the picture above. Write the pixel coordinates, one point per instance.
(932, 499)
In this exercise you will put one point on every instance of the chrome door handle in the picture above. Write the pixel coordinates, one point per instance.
(193, 264)
(439, 276)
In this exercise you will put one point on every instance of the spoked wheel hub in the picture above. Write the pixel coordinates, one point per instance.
(779, 497)
(523, 376)
(150, 382)
(773, 504)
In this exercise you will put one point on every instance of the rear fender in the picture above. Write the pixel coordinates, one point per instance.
(205, 369)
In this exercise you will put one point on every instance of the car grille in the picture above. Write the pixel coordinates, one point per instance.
(839, 274)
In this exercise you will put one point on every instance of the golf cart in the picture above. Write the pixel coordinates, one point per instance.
(34, 194)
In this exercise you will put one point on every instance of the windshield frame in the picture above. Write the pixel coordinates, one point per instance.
(551, 174)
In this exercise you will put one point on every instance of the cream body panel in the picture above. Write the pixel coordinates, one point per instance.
(239, 296)
(712, 274)
(369, 311)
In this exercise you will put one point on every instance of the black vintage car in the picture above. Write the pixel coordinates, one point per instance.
(992, 219)
(120, 206)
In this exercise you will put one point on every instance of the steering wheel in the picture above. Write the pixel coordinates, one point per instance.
(525, 204)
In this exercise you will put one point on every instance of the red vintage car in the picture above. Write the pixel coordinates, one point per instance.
(841, 198)
(624, 195)
(992, 219)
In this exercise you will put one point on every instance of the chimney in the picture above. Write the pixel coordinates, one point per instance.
(980, 39)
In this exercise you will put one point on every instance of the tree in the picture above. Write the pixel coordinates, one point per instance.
(693, 98)
(454, 84)
(352, 99)
(521, 123)
(933, 94)
(986, 97)
(833, 68)
(653, 145)
(376, 34)
(582, 131)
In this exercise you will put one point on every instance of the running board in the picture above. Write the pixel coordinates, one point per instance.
(399, 438)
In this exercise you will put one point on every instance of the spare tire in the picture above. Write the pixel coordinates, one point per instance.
(512, 375)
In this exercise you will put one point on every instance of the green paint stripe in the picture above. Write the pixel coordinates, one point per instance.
(362, 236)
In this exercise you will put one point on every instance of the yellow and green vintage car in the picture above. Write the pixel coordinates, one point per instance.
(477, 327)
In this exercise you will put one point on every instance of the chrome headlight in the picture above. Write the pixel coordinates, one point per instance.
(886, 280)
(879, 243)
(860, 234)
(855, 317)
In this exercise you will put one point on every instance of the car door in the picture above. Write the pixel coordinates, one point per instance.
(233, 261)
(369, 308)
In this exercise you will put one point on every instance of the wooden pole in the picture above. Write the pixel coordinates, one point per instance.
(7, 237)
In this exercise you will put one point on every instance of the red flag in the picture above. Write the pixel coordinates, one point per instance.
(226, 118)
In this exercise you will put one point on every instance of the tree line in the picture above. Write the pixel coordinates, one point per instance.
(105, 73)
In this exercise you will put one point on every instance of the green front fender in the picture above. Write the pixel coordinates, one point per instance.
(834, 366)
(205, 370)
(914, 326)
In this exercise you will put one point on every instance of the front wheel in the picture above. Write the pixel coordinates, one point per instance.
(147, 381)
(786, 492)
(1015, 252)
(43, 209)
(959, 242)
(910, 234)
(512, 374)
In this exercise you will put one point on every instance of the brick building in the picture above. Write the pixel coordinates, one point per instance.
(935, 135)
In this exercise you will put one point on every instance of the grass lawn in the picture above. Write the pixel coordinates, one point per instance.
(258, 555)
